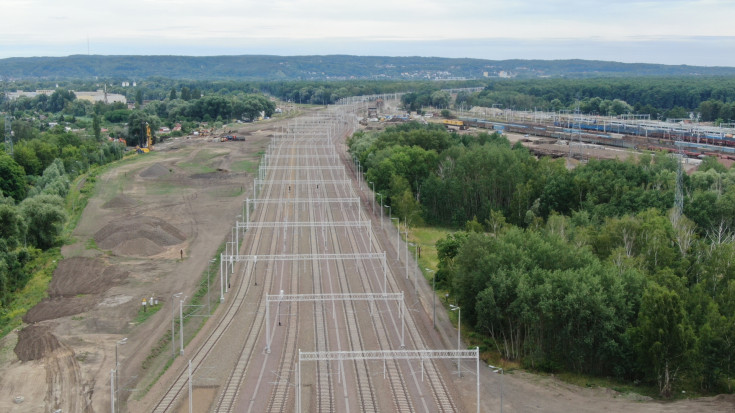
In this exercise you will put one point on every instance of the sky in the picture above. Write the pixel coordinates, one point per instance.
(693, 32)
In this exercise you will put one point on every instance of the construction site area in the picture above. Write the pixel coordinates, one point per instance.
(255, 274)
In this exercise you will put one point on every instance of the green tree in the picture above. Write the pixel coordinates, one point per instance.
(496, 222)
(172, 94)
(440, 99)
(59, 99)
(96, 128)
(139, 96)
(663, 337)
(711, 162)
(11, 226)
(12, 178)
(24, 130)
(677, 112)
(26, 157)
(44, 218)
(137, 122)
(185, 93)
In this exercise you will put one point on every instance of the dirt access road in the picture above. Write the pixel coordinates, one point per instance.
(128, 244)
(173, 199)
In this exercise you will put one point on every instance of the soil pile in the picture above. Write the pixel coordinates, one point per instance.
(138, 236)
(120, 201)
(53, 308)
(156, 170)
(79, 275)
(75, 288)
(35, 342)
(138, 247)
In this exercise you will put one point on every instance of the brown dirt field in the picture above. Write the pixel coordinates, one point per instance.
(143, 212)
(120, 201)
(155, 171)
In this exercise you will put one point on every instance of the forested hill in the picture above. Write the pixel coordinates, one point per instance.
(260, 67)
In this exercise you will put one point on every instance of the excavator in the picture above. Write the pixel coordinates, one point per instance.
(149, 141)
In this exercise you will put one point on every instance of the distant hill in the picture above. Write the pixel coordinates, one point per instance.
(260, 67)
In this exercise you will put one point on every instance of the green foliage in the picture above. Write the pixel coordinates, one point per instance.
(96, 128)
(117, 116)
(577, 289)
(661, 97)
(138, 121)
(31, 271)
(663, 337)
(44, 217)
(31, 224)
(280, 68)
(11, 226)
(12, 178)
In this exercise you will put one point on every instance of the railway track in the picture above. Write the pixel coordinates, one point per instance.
(348, 328)
(168, 401)
(280, 395)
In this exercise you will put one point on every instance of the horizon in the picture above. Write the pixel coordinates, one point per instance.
(672, 32)
(702, 52)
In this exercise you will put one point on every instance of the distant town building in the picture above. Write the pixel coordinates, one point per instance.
(16, 95)
(98, 96)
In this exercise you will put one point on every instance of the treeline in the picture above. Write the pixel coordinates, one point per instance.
(185, 106)
(295, 91)
(587, 270)
(34, 183)
(274, 68)
(712, 97)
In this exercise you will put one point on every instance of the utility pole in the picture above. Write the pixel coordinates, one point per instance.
(8, 121)
(679, 194)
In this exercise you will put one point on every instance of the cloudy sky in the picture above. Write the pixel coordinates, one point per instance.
(695, 32)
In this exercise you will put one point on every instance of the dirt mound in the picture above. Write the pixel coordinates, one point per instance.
(156, 170)
(120, 201)
(35, 342)
(75, 288)
(53, 308)
(138, 247)
(728, 398)
(78, 275)
(138, 236)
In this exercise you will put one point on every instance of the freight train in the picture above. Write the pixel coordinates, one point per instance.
(620, 134)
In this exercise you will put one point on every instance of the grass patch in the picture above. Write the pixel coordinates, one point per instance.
(245, 166)
(228, 191)
(144, 315)
(426, 238)
(42, 268)
(161, 188)
(196, 168)
(82, 188)
(200, 162)
(91, 244)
